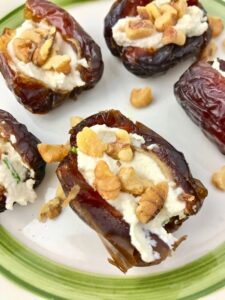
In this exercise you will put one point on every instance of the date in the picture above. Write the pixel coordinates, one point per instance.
(35, 95)
(201, 92)
(141, 61)
(104, 218)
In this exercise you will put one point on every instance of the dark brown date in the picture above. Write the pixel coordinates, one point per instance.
(201, 92)
(33, 94)
(25, 146)
(105, 219)
(140, 61)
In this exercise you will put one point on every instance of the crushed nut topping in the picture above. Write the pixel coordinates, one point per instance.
(89, 143)
(209, 51)
(153, 11)
(24, 49)
(173, 36)
(141, 97)
(137, 29)
(122, 136)
(216, 25)
(58, 63)
(106, 183)
(50, 210)
(180, 6)
(164, 21)
(151, 202)
(130, 182)
(218, 179)
(186, 197)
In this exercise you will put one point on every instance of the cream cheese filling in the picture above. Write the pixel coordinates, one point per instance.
(54, 80)
(146, 168)
(193, 23)
(216, 66)
(13, 173)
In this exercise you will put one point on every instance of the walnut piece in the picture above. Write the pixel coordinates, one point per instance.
(151, 202)
(89, 143)
(130, 182)
(218, 179)
(23, 49)
(122, 136)
(35, 35)
(140, 98)
(216, 25)
(106, 183)
(164, 21)
(143, 13)
(50, 210)
(58, 63)
(153, 11)
(120, 151)
(209, 51)
(43, 51)
(169, 9)
(186, 197)
(180, 6)
(138, 29)
(173, 36)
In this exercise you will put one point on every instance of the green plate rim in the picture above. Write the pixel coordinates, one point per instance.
(51, 280)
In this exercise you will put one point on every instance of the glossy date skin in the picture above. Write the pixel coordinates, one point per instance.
(105, 219)
(25, 146)
(201, 92)
(140, 61)
(33, 94)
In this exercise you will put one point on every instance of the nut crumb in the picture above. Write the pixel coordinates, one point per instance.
(141, 97)
(151, 202)
(216, 25)
(209, 51)
(50, 210)
(89, 143)
(137, 29)
(218, 179)
(106, 183)
(130, 182)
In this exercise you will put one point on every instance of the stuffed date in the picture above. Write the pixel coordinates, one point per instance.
(21, 166)
(201, 92)
(152, 36)
(48, 58)
(135, 188)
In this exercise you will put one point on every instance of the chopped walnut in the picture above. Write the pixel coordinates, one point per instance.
(186, 197)
(151, 202)
(130, 182)
(181, 7)
(218, 179)
(43, 51)
(173, 36)
(169, 9)
(34, 35)
(120, 151)
(106, 183)
(209, 51)
(50, 210)
(164, 21)
(122, 136)
(58, 63)
(23, 49)
(75, 120)
(89, 143)
(216, 25)
(141, 97)
(143, 13)
(137, 29)
(153, 11)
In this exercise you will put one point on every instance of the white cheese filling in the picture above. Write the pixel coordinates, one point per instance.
(54, 80)
(146, 168)
(13, 173)
(193, 23)
(216, 66)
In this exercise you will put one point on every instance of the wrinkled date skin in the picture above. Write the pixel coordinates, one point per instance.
(140, 61)
(201, 92)
(105, 219)
(25, 146)
(33, 94)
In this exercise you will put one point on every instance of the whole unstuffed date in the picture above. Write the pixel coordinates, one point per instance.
(36, 95)
(141, 61)
(25, 144)
(201, 92)
(104, 218)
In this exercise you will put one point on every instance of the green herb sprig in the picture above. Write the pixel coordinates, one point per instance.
(12, 170)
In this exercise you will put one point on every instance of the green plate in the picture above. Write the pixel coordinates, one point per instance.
(54, 281)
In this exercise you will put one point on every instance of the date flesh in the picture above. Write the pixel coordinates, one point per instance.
(140, 61)
(105, 219)
(33, 94)
(201, 92)
(25, 145)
